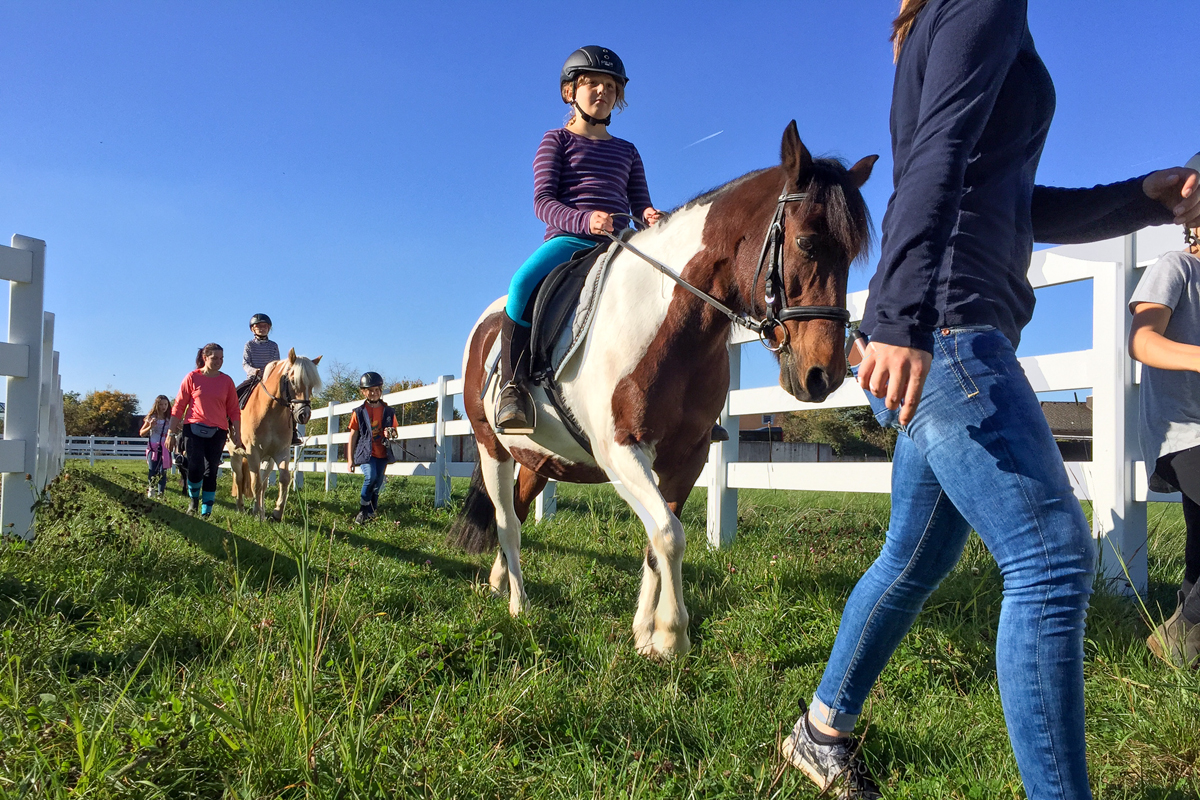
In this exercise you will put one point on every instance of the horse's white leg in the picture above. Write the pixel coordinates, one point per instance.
(285, 481)
(499, 575)
(260, 494)
(498, 478)
(643, 618)
(669, 638)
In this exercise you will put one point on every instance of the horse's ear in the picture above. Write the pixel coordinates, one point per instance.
(862, 170)
(316, 360)
(793, 154)
(292, 356)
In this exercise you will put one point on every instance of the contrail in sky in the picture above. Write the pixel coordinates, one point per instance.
(705, 139)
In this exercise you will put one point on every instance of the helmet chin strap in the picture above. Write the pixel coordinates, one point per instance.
(588, 118)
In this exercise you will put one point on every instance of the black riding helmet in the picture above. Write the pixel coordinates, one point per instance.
(370, 380)
(593, 58)
(257, 318)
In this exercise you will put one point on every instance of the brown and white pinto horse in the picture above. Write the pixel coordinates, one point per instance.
(654, 371)
(282, 396)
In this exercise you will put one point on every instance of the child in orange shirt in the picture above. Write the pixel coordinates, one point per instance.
(372, 452)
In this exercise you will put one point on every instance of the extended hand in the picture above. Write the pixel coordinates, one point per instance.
(896, 374)
(1177, 189)
(600, 222)
(651, 216)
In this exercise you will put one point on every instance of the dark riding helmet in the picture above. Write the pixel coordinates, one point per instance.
(370, 380)
(593, 58)
(257, 318)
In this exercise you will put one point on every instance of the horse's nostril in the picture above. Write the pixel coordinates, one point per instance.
(817, 382)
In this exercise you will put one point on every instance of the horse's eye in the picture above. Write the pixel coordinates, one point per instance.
(806, 245)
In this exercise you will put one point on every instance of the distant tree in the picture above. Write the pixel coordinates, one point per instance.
(849, 431)
(101, 413)
(341, 386)
(73, 413)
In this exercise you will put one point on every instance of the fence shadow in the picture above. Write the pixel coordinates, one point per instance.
(262, 563)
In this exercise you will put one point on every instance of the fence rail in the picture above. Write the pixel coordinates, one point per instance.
(32, 450)
(1115, 481)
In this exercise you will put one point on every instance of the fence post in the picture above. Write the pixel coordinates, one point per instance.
(441, 457)
(297, 454)
(1118, 522)
(21, 418)
(722, 501)
(330, 430)
(56, 421)
(92, 450)
(41, 477)
(547, 502)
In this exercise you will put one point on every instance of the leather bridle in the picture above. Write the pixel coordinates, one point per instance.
(301, 408)
(770, 261)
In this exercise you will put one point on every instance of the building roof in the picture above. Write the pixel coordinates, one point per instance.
(1068, 420)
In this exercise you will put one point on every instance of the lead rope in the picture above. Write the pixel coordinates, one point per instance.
(745, 320)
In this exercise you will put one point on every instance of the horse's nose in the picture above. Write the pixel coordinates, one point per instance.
(816, 382)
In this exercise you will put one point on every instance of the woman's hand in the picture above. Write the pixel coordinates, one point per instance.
(896, 374)
(600, 222)
(652, 215)
(1178, 189)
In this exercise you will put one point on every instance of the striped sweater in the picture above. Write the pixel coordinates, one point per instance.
(257, 354)
(574, 176)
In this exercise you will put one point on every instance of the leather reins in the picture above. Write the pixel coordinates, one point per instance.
(297, 406)
(770, 261)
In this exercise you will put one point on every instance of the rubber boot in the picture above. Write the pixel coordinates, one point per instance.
(296, 435)
(718, 434)
(513, 409)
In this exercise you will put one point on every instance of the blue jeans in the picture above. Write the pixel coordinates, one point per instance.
(551, 253)
(979, 454)
(373, 476)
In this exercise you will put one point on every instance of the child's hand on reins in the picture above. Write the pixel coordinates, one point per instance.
(600, 222)
(652, 215)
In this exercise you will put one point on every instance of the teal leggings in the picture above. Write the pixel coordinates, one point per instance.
(552, 253)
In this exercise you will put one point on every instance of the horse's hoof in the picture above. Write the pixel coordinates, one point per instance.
(666, 647)
(517, 605)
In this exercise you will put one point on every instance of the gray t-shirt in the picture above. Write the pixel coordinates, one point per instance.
(1170, 419)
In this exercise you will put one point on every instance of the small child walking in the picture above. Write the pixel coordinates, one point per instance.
(155, 425)
(371, 452)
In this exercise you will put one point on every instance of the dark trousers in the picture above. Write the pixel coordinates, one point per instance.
(156, 471)
(204, 457)
(1182, 470)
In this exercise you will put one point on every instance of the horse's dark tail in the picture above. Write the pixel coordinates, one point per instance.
(475, 528)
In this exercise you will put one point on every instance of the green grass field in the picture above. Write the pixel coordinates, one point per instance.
(145, 653)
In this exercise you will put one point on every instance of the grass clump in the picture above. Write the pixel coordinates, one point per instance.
(145, 653)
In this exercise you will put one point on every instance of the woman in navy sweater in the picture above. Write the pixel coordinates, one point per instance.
(971, 107)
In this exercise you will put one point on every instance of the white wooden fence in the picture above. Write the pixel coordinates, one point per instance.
(1115, 481)
(32, 451)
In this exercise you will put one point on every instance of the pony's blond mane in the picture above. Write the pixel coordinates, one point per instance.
(302, 374)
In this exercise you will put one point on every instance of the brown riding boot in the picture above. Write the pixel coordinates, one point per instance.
(513, 415)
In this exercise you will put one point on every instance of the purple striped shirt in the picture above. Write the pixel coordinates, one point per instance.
(574, 176)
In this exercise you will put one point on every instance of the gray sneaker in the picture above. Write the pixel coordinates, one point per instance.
(1176, 640)
(830, 765)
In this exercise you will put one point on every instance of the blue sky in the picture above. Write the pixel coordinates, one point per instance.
(361, 172)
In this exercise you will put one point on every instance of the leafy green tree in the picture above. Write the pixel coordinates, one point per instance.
(104, 412)
(850, 431)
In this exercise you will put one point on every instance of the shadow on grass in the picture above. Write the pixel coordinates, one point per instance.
(18, 598)
(264, 564)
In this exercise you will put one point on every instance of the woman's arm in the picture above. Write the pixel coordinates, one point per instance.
(973, 46)
(1148, 342)
(1071, 216)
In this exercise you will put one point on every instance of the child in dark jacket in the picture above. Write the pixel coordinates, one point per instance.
(371, 452)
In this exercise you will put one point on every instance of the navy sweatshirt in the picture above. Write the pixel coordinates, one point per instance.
(971, 107)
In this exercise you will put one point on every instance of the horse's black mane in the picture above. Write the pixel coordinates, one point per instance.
(846, 216)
